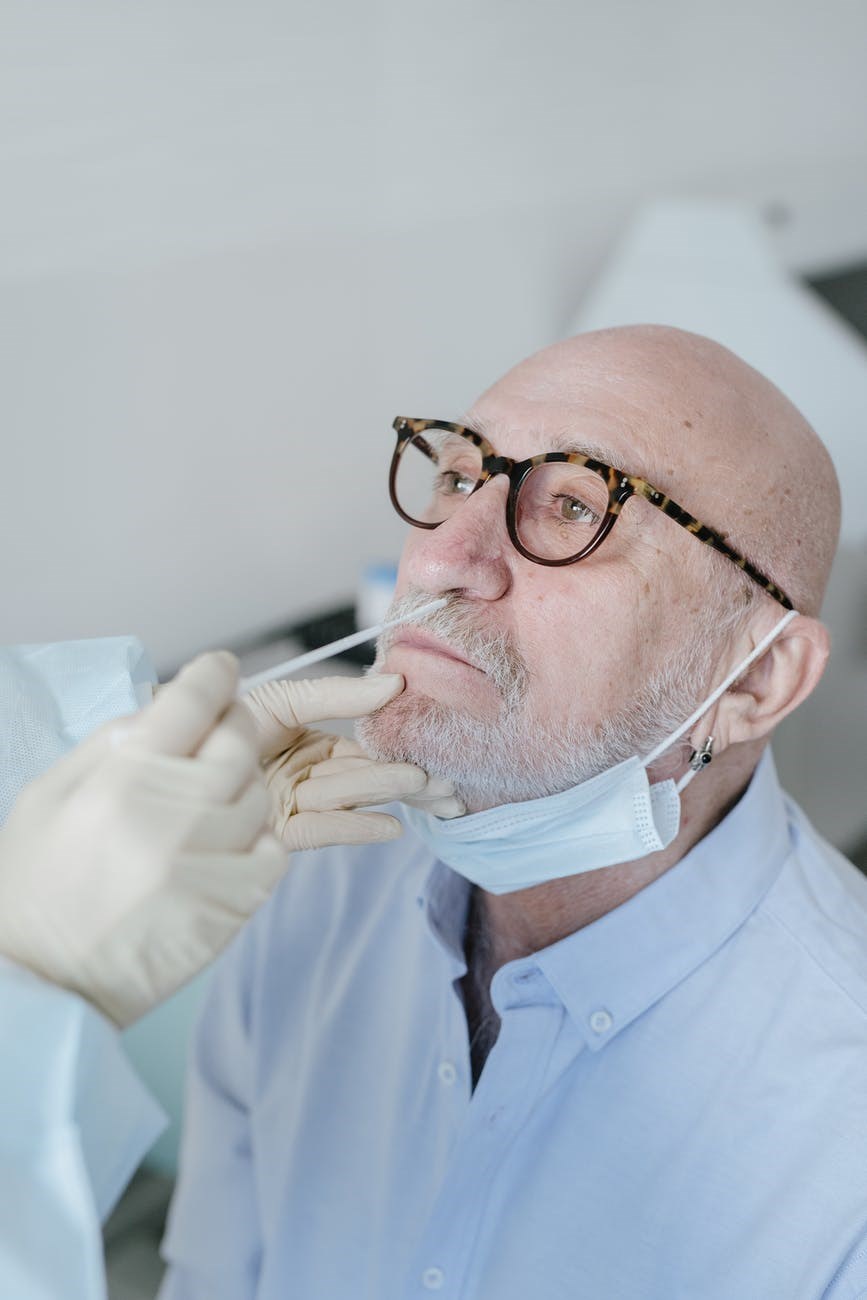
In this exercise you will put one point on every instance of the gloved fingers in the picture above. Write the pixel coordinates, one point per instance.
(446, 808)
(438, 798)
(309, 749)
(237, 883)
(130, 775)
(346, 748)
(232, 744)
(334, 766)
(232, 827)
(280, 708)
(225, 763)
(268, 859)
(185, 711)
(312, 830)
(371, 784)
(266, 866)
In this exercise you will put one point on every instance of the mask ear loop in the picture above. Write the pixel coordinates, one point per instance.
(698, 761)
(712, 699)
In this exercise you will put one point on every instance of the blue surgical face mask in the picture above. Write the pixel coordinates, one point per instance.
(53, 695)
(617, 816)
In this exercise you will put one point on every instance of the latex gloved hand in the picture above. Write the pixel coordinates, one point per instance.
(319, 781)
(128, 865)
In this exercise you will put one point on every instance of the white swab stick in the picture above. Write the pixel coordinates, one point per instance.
(248, 684)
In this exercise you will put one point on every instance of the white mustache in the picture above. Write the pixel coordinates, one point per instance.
(494, 652)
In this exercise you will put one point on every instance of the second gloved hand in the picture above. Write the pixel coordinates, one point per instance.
(319, 782)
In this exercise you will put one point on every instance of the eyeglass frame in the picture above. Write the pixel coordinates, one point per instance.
(621, 486)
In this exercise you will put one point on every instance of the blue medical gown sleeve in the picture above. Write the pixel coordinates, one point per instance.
(74, 1123)
(213, 1242)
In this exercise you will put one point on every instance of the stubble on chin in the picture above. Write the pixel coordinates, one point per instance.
(444, 741)
(397, 732)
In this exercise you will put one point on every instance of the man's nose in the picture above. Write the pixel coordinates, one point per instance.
(470, 552)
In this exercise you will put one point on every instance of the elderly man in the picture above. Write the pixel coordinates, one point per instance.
(629, 1059)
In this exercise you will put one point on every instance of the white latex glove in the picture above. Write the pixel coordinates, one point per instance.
(132, 862)
(319, 781)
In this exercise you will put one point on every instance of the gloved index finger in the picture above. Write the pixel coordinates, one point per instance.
(186, 710)
(279, 708)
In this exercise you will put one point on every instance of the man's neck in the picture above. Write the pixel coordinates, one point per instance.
(504, 927)
(530, 919)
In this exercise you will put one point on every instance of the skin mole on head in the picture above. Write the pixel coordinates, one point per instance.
(687, 424)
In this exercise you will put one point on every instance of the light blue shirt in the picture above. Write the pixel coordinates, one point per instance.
(675, 1108)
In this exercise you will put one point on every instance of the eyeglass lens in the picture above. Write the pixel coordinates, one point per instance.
(560, 507)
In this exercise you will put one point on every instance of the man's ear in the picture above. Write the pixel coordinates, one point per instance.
(781, 680)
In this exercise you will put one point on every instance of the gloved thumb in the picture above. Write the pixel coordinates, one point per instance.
(280, 708)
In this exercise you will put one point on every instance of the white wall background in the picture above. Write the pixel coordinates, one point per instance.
(236, 239)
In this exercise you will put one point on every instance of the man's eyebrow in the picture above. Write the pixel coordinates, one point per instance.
(568, 443)
(566, 440)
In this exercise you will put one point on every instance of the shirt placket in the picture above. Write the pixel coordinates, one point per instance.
(510, 1084)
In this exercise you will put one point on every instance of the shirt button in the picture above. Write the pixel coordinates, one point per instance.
(447, 1072)
(600, 1022)
(432, 1279)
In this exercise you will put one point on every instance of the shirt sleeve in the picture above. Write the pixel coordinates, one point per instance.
(74, 1123)
(212, 1245)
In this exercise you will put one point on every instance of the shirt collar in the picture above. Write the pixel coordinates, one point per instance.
(611, 971)
(444, 901)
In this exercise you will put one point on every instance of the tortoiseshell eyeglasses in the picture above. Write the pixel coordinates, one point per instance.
(561, 505)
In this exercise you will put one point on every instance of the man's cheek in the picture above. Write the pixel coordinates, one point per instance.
(406, 564)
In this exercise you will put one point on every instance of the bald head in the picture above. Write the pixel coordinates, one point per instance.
(704, 427)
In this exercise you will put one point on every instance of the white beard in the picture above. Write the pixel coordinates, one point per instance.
(514, 757)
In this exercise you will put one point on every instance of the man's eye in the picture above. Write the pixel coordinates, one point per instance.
(451, 483)
(574, 511)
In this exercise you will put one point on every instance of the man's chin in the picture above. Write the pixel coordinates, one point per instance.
(505, 761)
(476, 757)
(405, 731)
